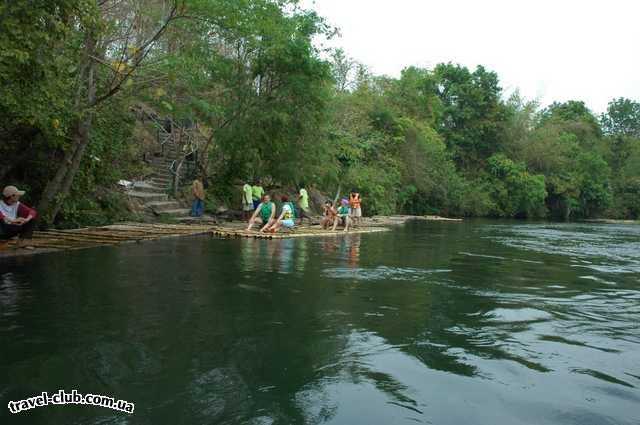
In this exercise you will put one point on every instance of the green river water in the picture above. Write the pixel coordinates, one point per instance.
(437, 323)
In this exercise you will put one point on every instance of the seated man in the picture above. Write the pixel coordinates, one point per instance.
(16, 219)
(267, 211)
(343, 216)
(286, 218)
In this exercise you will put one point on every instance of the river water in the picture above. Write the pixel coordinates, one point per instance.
(437, 323)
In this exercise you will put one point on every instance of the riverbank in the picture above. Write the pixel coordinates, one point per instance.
(92, 237)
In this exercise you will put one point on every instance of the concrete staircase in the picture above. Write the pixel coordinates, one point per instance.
(153, 192)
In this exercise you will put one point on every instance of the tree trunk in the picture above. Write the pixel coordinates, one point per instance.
(58, 188)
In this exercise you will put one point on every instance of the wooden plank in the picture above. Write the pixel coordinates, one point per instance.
(304, 232)
(85, 236)
(79, 239)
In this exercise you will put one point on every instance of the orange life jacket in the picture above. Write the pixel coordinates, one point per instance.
(354, 200)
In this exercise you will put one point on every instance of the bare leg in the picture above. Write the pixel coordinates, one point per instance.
(276, 226)
(268, 225)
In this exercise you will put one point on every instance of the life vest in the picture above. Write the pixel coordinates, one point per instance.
(354, 200)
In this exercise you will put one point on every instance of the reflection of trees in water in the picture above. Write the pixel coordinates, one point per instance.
(280, 255)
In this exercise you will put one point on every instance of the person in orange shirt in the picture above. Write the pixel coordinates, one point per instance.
(356, 208)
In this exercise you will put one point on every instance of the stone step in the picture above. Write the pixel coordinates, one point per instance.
(163, 170)
(162, 206)
(161, 175)
(149, 186)
(165, 186)
(161, 180)
(148, 196)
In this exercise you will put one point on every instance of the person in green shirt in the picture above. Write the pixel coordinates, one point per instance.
(257, 193)
(303, 203)
(267, 211)
(247, 201)
(343, 216)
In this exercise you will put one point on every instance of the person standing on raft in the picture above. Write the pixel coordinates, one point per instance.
(303, 203)
(16, 219)
(247, 201)
(356, 207)
(267, 211)
(257, 193)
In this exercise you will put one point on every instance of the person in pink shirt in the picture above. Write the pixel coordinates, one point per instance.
(16, 219)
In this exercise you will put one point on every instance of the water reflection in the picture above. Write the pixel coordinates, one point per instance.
(280, 256)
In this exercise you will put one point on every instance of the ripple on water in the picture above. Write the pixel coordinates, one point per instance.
(508, 315)
(606, 249)
(381, 273)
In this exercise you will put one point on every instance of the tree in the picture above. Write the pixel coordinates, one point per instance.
(473, 114)
(622, 118)
(516, 192)
(344, 68)
(113, 43)
(249, 73)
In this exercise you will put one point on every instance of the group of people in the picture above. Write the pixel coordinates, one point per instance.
(265, 214)
(258, 208)
(348, 214)
(16, 219)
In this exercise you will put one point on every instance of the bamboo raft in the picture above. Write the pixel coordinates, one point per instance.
(300, 232)
(92, 237)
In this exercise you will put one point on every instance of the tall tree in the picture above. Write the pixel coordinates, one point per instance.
(473, 114)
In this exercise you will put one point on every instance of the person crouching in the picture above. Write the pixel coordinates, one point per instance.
(267, 211)
(16, 219)
(329, 215)
(286, 218)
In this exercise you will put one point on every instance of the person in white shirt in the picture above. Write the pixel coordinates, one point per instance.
(16, 219)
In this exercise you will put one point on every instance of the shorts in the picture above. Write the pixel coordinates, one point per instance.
(256, 203)
(288, 223)
(247, 207)
(355, 212)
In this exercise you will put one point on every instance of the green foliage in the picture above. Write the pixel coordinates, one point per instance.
(516, 192)
(622, 118)
(626, 203)
(473, 114)
(111, 156)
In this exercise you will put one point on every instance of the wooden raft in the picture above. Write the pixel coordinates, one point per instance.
(91, 237)
(298, 232)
